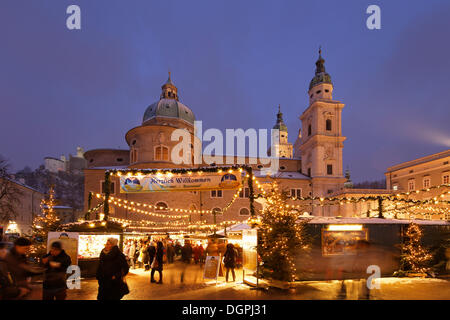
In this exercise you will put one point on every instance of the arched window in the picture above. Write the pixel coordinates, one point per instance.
(328, 124)
(162, 153)
(244, 212)
(161, 206)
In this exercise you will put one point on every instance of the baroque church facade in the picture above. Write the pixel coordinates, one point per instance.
(313, 166)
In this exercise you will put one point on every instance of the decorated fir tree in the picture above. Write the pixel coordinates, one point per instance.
(281, 237)
(44, 223)
(415, 258)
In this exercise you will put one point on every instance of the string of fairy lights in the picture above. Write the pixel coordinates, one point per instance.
(152, 225)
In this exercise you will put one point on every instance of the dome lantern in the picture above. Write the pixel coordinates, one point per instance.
(169, 106)
(169, 91)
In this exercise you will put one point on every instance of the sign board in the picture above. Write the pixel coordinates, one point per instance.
(212, 265)
(69, 242)
(180, 182)
(249, 252)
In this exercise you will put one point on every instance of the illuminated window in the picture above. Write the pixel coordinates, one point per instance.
(395, 187)
(446, 178)
(216, 193)
(162, 153)
(296, 193)
(426, 182)
(411, 185)
(244, 193)
(244, 212)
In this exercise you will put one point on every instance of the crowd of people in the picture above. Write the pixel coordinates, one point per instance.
(114, 265)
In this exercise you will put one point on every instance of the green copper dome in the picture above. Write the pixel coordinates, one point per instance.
(169, 108)
(321, 75)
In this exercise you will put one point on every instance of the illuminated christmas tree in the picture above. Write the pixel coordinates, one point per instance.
(44, 223)
(415, 257)
(281, 237)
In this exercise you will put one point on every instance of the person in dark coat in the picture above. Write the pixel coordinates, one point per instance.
(178, 249)
(158, 264)
(111, 272)
(56, 263)
(186, 253)
(229, 260)
(17, 262)
(170, 252)
(9, 290)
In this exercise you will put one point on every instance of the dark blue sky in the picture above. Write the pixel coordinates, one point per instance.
(233, 63)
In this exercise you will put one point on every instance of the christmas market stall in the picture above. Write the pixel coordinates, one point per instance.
(343, 248)
(92, 238)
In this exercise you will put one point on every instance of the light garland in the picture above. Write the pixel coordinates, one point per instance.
(126, 203)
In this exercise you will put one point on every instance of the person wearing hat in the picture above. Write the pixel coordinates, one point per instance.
(56, 263)
(8, 287)
(18, 266)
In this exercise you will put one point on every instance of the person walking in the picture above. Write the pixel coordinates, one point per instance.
(9, 290)
(178, 248)
(111, 272)
(186, 253)
(157, 264)
(170, 252)
(56, 263)
(132, 254)
(229, 259)
(151, 252)
(17, 262)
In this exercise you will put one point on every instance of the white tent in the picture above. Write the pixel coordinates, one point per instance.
(235, 228)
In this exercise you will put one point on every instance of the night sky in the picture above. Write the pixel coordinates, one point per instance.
(233, 63)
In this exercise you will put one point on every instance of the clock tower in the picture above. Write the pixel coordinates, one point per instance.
(321, 142)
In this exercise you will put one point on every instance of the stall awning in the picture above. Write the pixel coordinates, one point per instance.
(235, 228)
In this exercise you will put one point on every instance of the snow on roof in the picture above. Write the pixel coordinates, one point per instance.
(58, 207)
(23, 185)
(108, 168)
(335, 220)
(235, 228)
(283, 175)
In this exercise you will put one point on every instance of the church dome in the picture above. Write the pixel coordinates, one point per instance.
(168, 105)
(169, 108)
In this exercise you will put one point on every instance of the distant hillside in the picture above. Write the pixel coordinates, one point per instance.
(378, 184)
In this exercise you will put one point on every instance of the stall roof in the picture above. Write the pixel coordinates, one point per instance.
(334, 220)
(235, 228)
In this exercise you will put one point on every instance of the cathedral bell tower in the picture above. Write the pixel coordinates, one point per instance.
(321, 142)
(282, 146)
